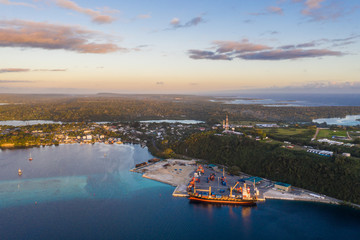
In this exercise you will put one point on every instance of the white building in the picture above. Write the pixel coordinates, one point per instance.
(321, 152)
(270, 125)
(331, 142)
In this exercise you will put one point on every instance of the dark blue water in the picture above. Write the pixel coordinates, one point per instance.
(112, 203)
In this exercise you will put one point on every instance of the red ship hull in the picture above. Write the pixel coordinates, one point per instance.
(223, 201)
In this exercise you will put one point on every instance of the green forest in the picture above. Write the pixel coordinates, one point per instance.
(114, 107)
(337, 176)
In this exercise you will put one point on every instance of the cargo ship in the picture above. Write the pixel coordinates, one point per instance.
(245, 199)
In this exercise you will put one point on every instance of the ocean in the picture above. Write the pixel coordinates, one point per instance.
(294, 99)
(87, 192)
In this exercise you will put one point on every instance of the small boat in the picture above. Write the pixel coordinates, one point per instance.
(30, 158)
(19, 172)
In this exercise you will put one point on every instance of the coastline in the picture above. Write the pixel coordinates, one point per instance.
(167, 171)
(175, 172)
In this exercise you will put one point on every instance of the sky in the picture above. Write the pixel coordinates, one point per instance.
(158, 46)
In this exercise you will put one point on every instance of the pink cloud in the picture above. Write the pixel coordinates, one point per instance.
(175, 21)
(313, 4)
(319, 10)
(276, 10)
(239, 47)
(11, 70)
(28, 34)
(96, 16)
(229, 50)
(144, 16)
(7, 2)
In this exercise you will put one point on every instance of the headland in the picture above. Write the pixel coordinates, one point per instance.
(179, 173)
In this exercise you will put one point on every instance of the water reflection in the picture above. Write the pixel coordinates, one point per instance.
(246, 212)
(232, 209)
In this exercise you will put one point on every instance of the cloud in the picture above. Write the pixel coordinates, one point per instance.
(11, 70)
(310, 7)
(332, 84)
(229, 50)
(238, 47)
(175, 23)
(194, 22)
(287, 47)
(198, 54)
(330, 42)
(319, 10)
(50, 70)
(301, 45)
(313, 4)
(344, 41)
(269, 10)
(276, 10)
(279, 54)
(323, 86)
(7, 2)
(305, 45)
(14, 81)
(97, 16)
(144, 16)
(28, 34)
(248, 21)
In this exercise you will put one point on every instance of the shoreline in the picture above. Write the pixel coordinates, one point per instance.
(167, 171)
(174, 172)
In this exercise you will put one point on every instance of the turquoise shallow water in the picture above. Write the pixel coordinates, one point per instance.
(70, 172)
(87, 192)
(349, 120)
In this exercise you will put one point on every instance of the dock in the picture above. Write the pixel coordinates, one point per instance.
(180, 191)
(175, 172)
(178, 173)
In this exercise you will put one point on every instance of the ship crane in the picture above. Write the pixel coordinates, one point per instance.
(202, 190)
(233, 188)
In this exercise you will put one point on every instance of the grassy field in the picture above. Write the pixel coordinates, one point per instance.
(298, 135)
(290, 131)
(253, 123)
(327, 133)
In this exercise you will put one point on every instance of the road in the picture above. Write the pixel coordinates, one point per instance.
(316, 133)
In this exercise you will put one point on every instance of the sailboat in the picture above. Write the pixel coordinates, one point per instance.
(30, 158)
